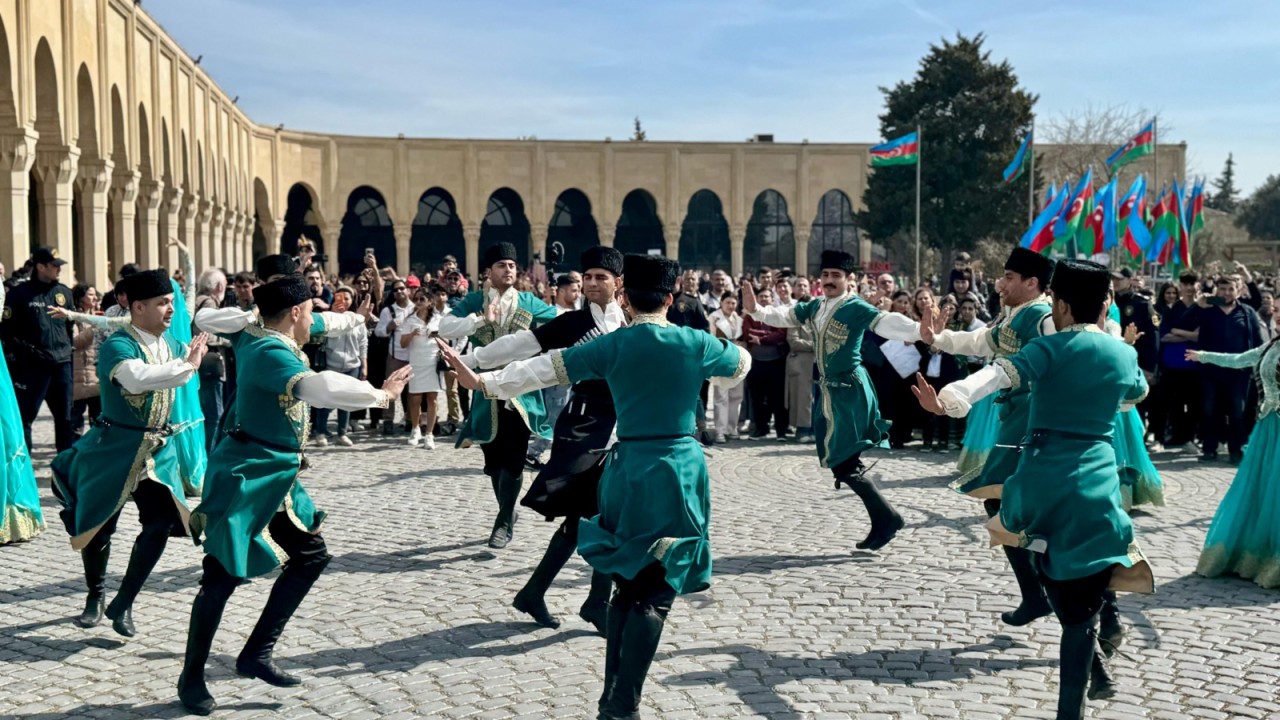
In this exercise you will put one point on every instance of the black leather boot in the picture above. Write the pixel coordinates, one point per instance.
(206, 614)
(615, 623)
(531, 598)
(1110, 631)
(1075, 665)
(147, 550)
(286, 595)
(1101, 684)
(595, 609)
(885, 521)
(641, 634)
(1034, 605)
(508, 493)
(95, 578)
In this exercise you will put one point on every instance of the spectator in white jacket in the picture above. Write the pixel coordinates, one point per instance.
(727, 323)
(347, 353)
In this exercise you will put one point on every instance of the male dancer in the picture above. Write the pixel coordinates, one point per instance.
(846, 414)
(1029, 316)
(502, 429)
(256, 514)
(651, 532)
(128, 451)
(1063, 501)
(566, 486)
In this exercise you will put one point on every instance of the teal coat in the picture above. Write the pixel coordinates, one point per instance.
(846, 412)
(1064, 497)
(253, 472)
(481, 425)
(1008, 336)
(97, 475)
(655, 502)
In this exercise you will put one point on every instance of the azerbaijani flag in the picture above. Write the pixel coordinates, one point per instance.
(1164, 226)
(903, 151)
(1131, 228)
(1100, 226)
(1014, 171)
(1040, 236)
(1144, 143)
(1182, 256)
(1080, 210)
(1049, 194)
(1196, 219)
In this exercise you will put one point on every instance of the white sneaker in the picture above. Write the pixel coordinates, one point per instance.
(430, 443)
(344, 441)
(720, 438)
(415, 438)
(320, 441)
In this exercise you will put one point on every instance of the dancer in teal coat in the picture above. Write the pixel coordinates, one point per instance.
(652, 530)
(20, 516)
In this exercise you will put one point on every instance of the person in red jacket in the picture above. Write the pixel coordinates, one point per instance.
(767, 381)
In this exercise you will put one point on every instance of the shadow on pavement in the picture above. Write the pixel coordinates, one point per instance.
(121, 711)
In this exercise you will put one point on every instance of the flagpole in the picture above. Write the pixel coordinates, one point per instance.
(919, 162)
(1155, 172)
(1031, 180)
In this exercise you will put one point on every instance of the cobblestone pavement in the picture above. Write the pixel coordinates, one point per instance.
(412, 618)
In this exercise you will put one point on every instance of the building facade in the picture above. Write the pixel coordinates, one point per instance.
(114, 142)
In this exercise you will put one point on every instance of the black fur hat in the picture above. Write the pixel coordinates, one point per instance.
(145, 285)
(498, 252)
(268, 266)
(605, 258)
(1030, 264)
(281, 294)
(837, 260)
(651, 273)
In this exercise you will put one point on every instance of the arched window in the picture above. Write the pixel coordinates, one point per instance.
(300, 219)
(639, 229)
(770, 239)
(833, 229)
(704, 237)
(437, 232)
(573, 227)
(366, 226)
(504, 221)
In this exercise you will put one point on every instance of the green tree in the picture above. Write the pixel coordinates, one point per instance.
(972, 116)
(1227, 197)
(1260, 214)
(638, 135)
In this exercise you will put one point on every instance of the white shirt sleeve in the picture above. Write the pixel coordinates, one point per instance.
(338, 323)
(330, 389)
(223, 321)
(136, 376)
(384, 318)
(776, 316)
(895, 326)
(976, 343)
(1047, 327)
(729, 382)
(519, 378)
(453, 327)
(958, 397)
(506, 349)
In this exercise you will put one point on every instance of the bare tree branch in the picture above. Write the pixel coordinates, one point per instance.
(1084, 138)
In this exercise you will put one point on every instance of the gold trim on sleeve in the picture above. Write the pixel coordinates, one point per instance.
(557, 363)
(1015, 379)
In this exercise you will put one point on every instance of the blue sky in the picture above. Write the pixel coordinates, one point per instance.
(719, 70)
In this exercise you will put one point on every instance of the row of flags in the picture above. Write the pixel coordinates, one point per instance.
(1140, 145)
(1078, 218)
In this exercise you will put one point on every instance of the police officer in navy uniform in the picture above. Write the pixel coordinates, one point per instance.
(38, 346)
(1135, 309)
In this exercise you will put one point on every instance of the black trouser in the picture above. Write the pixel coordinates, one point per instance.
(1175, 407)
(90, 406)
(1222, 404)
(637, 615)
(37, 382)
(906, 412)
(377, 372)
(1024, 567)
(767, 383)
(158, 515)
(1076, 603)
(510, 443)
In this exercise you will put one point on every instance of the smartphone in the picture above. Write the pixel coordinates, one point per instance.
(368, 252)
(1215, 301)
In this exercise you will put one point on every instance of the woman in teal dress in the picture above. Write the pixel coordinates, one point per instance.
(20, 515)
(1244, 538)
(1140, 482)
(980, 434)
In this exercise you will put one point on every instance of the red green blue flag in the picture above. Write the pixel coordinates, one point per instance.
(1196, 210)
(1040, 236)
(1144, 143)
(902, 151)
(1131, 225)
(1014, 171)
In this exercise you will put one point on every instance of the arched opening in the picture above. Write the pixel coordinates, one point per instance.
(366, 225)
(833, 229)
(504, 221)
(166, 158)
(436, 232)
(8, 111)
(120, 157)
(201, 179)
(261, 209)
(49, 125)
(186, 165)
(573, 227)
(704, 236)
(86, 108)
(300, 218)
(144, 169)
(639, 230)
(770, 241)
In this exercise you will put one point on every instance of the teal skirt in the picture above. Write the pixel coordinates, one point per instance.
(20, 515)
(1244, 538)
(655, 506)
(979, 437)
(1140, 482)
(187, 417)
